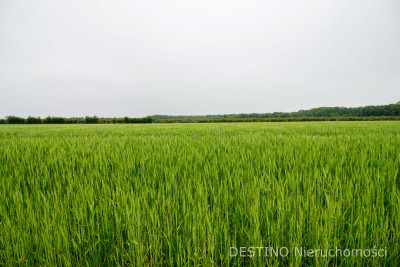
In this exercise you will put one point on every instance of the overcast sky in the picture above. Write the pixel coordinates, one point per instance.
(138, 58)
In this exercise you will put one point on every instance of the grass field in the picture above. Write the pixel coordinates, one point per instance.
(184, 194)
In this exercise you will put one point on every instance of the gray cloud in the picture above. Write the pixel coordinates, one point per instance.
(137, 58)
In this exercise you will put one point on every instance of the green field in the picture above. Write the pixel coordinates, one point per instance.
(184, 194)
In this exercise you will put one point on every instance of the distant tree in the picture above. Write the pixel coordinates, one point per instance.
(148, 119)
(91, 119)
(33, 120)
(15, 120)
(74, 120)
(395, 110)
(54, 120)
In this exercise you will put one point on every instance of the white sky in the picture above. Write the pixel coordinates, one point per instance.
(138, 58)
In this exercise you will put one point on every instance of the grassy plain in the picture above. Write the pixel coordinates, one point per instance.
(183, 194)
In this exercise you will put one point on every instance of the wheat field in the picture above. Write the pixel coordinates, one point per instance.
(186, 194)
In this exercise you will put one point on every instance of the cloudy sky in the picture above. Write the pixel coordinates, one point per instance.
(137, 58)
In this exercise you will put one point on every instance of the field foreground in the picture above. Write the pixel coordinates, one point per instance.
(193, 194)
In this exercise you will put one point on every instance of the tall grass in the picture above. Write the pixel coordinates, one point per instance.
(184, 194)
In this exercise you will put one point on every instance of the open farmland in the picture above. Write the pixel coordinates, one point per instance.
(182, 194)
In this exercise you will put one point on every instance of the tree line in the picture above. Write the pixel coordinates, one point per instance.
(367, 111)
(383, 112)
(91, 120)
(61, 120)
(380, 118)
